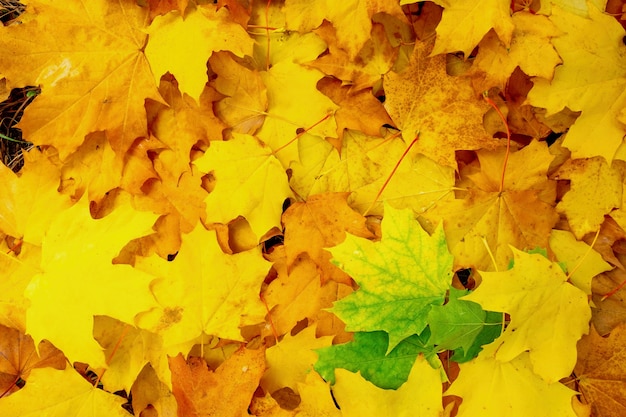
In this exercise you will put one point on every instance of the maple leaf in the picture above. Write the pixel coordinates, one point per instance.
(78, 280)
(373, 60)
(520, 214)
(244, 107)
(363, 167)
(89, 63)
(443, 110)
(18, 358)
(61, 393)
(203, 291)
(368, 354)
(297, 294)
(399, 277)
(202, 392)
(499, 392)
(291, 359)
(420, 395)
(183, 123)
(249, 182)
(172, 45)
(17, 271)
(29, 202)
(357, 110)
(530, 50)
(592, 79)
(161, 7)
(462, 326)
(583, 263)
(595, 184)
(535, 291)
(600, 371)
(150, 394)
(465, 22)
(321, 222)
(287, 113)
(129, 349)
(352, 19)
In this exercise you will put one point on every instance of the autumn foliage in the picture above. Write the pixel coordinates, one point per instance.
(315, 208)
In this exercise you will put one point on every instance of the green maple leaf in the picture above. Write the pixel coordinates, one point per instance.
(399, 278)
(462, 326)
(367, 353)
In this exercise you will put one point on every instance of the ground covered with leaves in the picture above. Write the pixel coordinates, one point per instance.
(312, 208)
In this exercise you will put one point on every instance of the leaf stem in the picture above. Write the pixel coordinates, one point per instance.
(280, 148)
(393, 171)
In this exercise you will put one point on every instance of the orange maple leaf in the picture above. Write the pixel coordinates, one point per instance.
(89, 62)
(227, 392)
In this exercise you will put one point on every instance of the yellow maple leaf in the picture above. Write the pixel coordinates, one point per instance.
(78, 279)
(420, 395)
(536, 292)
(287, 83)
(173, 45)
(352, 18)
(508, 388)
(596, 189)
(17, 271)
(443, 110)
(244, 108)
(89, 63)
(373, 60)
(321, 222)
(583, 263)
(295, 294)
(291, 359)
(203, 292)
(488, 220)
(592, 79)
(30, 201)
(249, 182)
(530, 49)
(465, 22)
(183, 123)
(362, 168)
(61, 393)
(129, 349)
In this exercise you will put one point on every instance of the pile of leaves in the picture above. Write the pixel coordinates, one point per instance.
(296, 208)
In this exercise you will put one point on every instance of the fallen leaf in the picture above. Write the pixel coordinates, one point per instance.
(90, 68)
(596, 189)
(249, 182)
(203, 292)
(442, 111)
(600, 372)
(395, 291)
(465, 22)
(583, 263)
(499, 392)
(290, 360)
(536, 291)
(592, 79)
(420, 395)
(18, 357)
(368, 354)
(225, 392)
(171, 37)
(78, 280)
(61, 393)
